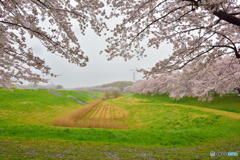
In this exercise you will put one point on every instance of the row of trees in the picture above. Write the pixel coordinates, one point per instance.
(221, 76)
(107, 89)
(201, 32)
(118, 84)
(36, 86)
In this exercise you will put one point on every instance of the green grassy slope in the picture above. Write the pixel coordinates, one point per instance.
(149, 123)
(156, 130)
(32, 148)
(228, 102)
(33, 106)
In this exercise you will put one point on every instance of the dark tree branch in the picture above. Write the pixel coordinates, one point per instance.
(227, 17)
(152, 24)
(233, 14)
(42, 3)
(3, 3)
(234, 46)
(136, 11)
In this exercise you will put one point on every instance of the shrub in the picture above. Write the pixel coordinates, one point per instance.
(113, 94)
(107, 95)
(59, 87)
(13, 87)
(116, 94)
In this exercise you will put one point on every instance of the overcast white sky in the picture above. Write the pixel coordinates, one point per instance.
(98, 70)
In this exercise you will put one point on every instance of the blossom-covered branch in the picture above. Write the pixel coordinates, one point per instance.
(221, 75)
(200, 31)
(51, 23)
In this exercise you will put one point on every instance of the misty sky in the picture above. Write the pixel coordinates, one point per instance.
(98, 70)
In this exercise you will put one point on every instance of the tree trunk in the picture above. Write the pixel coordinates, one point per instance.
(238, 89)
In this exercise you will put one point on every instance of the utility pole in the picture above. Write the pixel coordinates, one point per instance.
(133, 74)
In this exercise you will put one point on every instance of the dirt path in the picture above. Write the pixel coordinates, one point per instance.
(57, 94)
(92, 96)
(214, 111)
(80, 92)
(77, 100)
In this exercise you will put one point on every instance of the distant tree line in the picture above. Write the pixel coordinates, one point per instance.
(35, 86)
(119, 84)
(107, 89)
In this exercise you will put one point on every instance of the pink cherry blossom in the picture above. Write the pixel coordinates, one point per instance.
(201, 31)
(50, 22)
(222, 76)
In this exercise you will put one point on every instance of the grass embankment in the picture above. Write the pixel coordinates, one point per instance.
(37, 107)
(161, 116)
(228, 102)
(156, 130)
(74, 94)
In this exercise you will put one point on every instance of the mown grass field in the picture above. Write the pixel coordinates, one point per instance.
(157, 128)
(105, 115)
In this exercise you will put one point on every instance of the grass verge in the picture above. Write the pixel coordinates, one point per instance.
(22, 148)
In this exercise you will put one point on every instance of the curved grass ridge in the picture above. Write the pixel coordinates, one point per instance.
(70, 119)
(214, 111)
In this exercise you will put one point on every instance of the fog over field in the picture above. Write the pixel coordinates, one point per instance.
(98, 70)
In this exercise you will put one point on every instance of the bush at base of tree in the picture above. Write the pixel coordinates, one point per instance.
(13, 87)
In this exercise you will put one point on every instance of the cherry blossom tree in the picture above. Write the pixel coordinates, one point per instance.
(201, 31)
(49, 22)
(161, 84)
(222, 76)
(42, 87)
(127, 89)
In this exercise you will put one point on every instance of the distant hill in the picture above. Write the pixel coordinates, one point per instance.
(119, 84)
